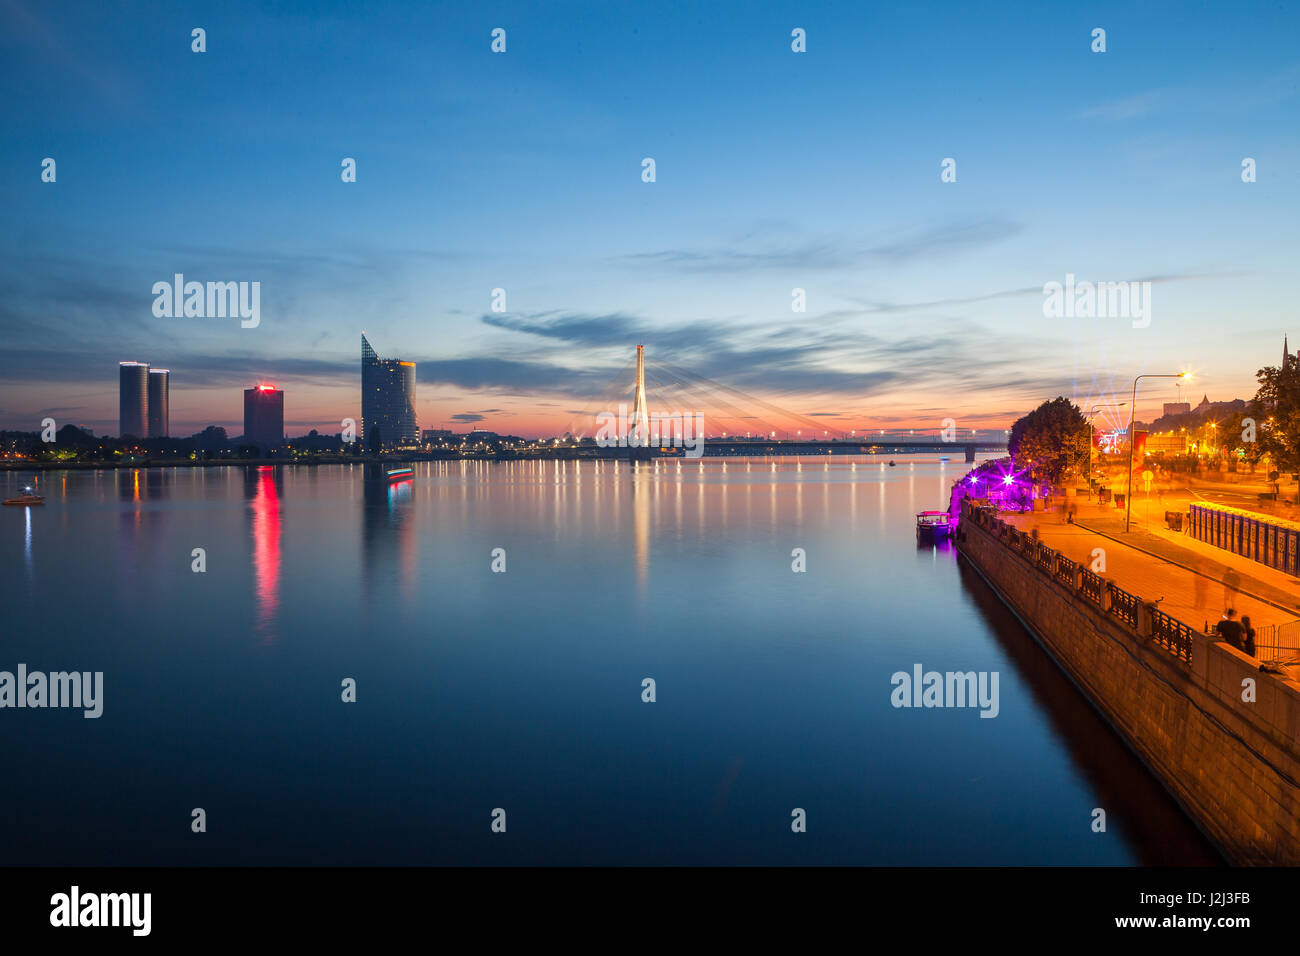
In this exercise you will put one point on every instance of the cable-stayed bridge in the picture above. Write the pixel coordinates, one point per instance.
(668, 403)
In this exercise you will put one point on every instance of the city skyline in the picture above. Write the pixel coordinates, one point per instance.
(742, 435)
(402, 374)
(924, 298)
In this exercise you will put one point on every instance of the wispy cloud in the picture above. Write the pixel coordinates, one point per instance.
(834, 252)
(872, 306)
(1129, 107)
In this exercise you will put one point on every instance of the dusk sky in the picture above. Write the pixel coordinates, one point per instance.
(522, 170)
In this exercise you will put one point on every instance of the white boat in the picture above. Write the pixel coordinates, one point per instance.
(27, 498)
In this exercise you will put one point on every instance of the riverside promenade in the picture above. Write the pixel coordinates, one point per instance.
(1191, 580)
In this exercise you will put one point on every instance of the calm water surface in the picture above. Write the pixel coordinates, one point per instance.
(522, 690)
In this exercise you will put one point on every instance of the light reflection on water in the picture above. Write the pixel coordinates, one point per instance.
(522, 689)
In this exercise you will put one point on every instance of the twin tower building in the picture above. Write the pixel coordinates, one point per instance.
(387, 404)
(142, 400)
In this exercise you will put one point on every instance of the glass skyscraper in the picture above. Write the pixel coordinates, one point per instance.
(159, 386)
(387, 401)
(133, 399)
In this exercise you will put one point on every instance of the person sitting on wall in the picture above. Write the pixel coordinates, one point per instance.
(1248, 639)
(1230, 629)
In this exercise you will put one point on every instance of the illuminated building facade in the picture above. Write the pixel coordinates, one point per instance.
(264, 416)
(1167, 443)
(133, 399)
(159, 385)
(387, 401)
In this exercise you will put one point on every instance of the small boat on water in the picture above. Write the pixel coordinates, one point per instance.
(891, 463)
(933, 525)
(401, 474)
(26, 498)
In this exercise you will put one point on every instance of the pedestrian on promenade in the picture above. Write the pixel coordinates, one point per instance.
(1230, 629)
(1199, 583)
(1248, 639)
(1231, 582)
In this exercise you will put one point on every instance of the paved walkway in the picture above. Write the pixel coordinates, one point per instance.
(1186, 576)
(1179, 548)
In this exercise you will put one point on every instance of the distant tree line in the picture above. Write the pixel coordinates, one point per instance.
(212, 443)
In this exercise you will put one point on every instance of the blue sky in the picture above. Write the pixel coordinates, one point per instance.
(522, 171)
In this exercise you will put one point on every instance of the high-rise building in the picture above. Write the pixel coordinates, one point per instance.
(387, 401)
(159, 385)
(133, 399)
(264, 416)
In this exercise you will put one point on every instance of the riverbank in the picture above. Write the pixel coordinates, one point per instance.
(1215, 729)
(190, 463)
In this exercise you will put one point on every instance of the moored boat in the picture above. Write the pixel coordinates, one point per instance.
(932, 524)
(401, 474)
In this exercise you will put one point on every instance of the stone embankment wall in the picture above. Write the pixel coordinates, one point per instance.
(1171, 692)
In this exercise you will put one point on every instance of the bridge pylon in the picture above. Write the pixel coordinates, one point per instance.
(639, 426)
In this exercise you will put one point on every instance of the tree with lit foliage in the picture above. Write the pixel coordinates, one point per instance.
(1051, 442)
(1276, 411)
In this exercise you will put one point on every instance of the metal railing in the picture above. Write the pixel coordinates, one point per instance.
(1166, 632)
(1174, 636)
(1277, 643)
(1065, 569)
(1046, 559)
(1267, 539)
(1123, 605)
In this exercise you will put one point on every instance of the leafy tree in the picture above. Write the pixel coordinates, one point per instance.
(212, 438)
(1276, 411)
(1051, 442)
(72, 435)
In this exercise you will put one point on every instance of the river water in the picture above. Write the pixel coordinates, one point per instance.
(522, 690)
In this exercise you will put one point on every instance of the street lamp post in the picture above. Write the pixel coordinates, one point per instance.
(1128, 496)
